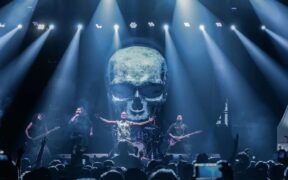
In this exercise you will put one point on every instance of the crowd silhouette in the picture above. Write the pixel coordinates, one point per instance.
(126, 166)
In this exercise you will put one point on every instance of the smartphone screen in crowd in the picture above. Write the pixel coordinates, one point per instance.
(207, 171)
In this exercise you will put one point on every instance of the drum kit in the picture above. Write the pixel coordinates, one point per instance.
(151, 135)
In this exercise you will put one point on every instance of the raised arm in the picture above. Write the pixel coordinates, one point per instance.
(142, 123)
(27, 130)
(107, 121)
(73, 119)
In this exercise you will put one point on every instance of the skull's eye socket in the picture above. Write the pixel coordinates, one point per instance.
(122, 90)
(151, 90)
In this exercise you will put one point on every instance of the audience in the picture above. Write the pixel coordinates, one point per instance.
(112, 175)
(161, 174)
(130, 167)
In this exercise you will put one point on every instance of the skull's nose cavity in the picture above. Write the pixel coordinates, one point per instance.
(137, 94)
(137, 104)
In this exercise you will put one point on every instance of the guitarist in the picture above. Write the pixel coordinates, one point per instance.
(175, 132)
(36, 127)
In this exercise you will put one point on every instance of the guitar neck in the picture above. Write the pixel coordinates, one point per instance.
(46, 134)
(190, 134)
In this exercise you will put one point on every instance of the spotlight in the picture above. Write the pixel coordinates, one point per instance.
(2, 25)
(166, 27)
(41, 26)
(35, 23)
(151, 24)
(19, 26)
(218, 24)
(232, 27)
(202, 27)
(186, 24)
(98, 26)
(263, 27)
(51, 26)
(116, 27)
(80, 26)
(133, 25)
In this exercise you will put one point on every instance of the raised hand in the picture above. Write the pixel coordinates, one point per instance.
(151, 119)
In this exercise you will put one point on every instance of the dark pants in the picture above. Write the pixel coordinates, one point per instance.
(153, 149)
(32, 151)
(182, 147)
(80, 139)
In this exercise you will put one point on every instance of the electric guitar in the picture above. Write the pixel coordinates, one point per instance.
(46, 133)
(174, 140)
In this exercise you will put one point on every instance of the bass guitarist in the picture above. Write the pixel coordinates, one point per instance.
(178, 135)
(36, 128)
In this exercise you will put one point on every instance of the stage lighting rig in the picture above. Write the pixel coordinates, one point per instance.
(133, 25)
(2, 25)
(151, 24)
(41, 26)
(263, 27)
(98, 26)
(233, 27)
(186, 24)
(218, 24)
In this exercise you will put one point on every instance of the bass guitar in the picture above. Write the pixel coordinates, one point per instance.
(175, 139)
(46, 133)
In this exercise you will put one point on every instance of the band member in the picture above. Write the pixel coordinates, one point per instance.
(36, 127)
(35, 132)
(123, 126)
(153, 138)
(175, 132)
(81, 127)
(123, 130)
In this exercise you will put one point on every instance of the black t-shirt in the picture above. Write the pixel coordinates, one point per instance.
(38, 128)
(81, 125)
(178, 129)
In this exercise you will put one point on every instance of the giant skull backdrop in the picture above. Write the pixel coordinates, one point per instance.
(137, 81)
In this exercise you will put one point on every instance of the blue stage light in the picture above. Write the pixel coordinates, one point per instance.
(202, 27)
(51, 26)
(2, 25)
(116, 27)
(166, 27)
(80, 26)
(19, 26)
